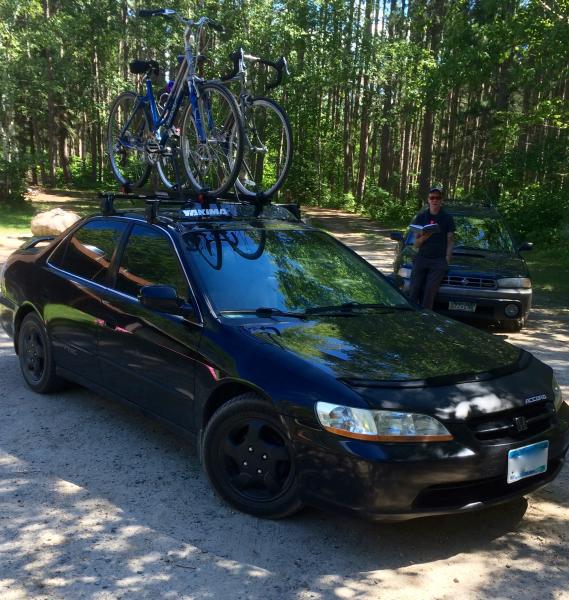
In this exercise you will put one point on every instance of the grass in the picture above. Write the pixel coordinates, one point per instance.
(15, 218)
(549, 268)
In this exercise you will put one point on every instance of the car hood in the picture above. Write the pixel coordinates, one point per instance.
(496, 265)
(465, 263)
(394, 346)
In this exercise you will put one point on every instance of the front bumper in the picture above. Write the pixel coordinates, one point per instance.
(490, 304)
(403, 481)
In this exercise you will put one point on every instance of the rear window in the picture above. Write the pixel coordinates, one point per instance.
(482, 233)
(89, 251)
(487, 234)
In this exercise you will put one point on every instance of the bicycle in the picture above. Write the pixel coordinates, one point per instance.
(268, 136)
(211, 135)
(209, 243)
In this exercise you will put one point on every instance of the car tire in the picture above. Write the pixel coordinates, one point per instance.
(249, 459)
(36, 356)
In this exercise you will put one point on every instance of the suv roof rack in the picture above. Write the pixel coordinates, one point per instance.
(189, 204)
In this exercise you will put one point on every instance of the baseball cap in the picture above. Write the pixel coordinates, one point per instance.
(436, 189)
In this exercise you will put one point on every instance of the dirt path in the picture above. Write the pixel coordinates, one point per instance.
(98, 502)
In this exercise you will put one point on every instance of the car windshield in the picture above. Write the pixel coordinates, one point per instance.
(482, 233)
(287, 270)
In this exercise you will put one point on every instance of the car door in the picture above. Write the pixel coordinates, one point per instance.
(71, 286)
(148, 356)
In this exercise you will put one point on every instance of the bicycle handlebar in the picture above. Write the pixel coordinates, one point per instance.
(239, 56)
(155, 12)
(280, 65)
(170, 12)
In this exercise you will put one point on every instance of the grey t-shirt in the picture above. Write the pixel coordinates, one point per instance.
(436, 245)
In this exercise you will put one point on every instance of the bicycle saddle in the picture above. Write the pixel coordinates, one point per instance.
(144, 66)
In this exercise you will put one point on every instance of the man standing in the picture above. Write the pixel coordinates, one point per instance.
(434, 250)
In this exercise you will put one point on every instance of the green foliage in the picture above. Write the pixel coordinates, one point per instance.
(13, 179)
(537, 213)
(496, 81)
(386, 208)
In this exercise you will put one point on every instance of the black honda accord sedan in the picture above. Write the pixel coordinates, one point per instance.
(304, 375)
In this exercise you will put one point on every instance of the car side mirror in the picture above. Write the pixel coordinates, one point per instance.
(525, 246)
(164, 298)
(396, 236)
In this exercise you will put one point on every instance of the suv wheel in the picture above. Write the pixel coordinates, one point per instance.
(249, 459)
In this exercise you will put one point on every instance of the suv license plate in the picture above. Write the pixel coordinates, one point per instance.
(466, 306)
(527, 461)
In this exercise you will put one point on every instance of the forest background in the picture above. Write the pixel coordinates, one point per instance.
(385, 97)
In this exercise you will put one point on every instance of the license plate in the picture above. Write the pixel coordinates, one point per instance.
(527, 461)
(466, 306)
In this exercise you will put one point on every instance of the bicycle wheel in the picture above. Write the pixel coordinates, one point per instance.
(212, 164)
(169, 161)
(248, 244)
(268, 148)
(127, 132)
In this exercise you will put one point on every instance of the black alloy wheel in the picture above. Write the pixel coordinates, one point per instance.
(249, 459)
(35, 356)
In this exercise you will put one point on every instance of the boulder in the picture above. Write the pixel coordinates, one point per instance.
(53, 222)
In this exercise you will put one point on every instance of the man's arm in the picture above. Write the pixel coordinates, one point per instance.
(421, 238)
(450, 244)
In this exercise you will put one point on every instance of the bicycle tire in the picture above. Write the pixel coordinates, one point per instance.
(246, 250)
(132, 169)
(267, 134)
(213, 166)
(165, 165)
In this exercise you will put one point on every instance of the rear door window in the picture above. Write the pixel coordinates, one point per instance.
(149, 258)
(89, 251)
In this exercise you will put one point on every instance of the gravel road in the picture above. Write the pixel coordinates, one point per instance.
(99, 502)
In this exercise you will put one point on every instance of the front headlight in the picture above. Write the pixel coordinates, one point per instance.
(557, 395)
(380, 425)
(514, 282)
(404, 272)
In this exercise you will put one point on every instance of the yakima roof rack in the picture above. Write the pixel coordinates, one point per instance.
(189, 204)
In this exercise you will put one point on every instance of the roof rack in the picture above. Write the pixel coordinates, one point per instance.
(189, 203)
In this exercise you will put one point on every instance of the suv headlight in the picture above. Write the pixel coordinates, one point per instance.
(557, 395)
(515, 282)
(380, 425)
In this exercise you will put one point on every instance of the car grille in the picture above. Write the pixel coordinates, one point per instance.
(456, 495)
(514, 424)
(470, 282)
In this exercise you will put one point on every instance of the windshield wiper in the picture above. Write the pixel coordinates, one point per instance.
(350, 307)
(265, 311)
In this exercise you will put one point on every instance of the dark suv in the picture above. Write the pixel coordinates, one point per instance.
(487, 279)
(302, 373)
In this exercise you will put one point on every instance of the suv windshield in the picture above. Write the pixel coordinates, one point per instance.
(284, 270)
(482, 233)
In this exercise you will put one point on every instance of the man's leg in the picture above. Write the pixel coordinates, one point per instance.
(418, 276)
(435, 275)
